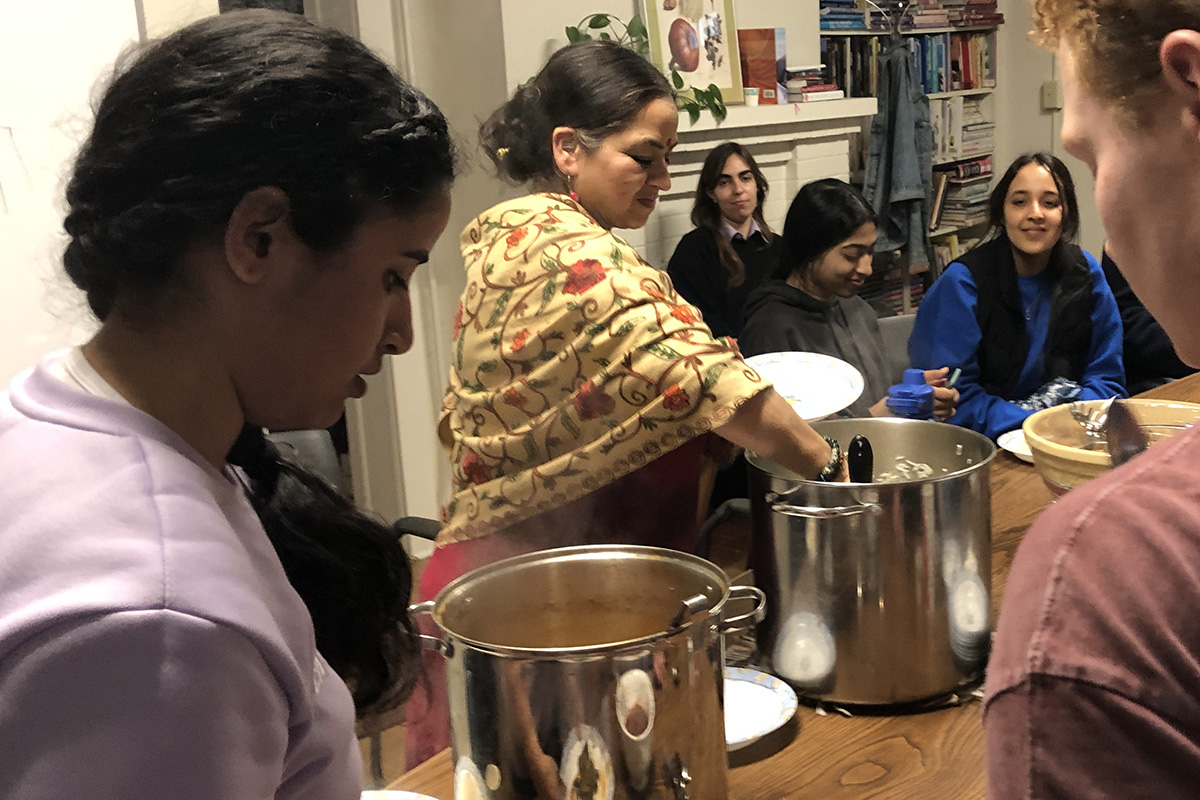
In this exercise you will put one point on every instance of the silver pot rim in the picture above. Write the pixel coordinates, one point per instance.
(462, 584)
(988, 446)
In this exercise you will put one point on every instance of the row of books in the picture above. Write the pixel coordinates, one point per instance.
(973, 12)
(809, 84)
(944, 61)
(921, 14)
(925, 14)
(970, 169)
(965, 203)
(950, 62)
(886, 296)
(949, 248)
(842, 15)
(961, 128)
(960, 202)
(852, 63)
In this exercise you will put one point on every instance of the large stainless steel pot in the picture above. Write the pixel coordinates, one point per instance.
(588, 672)
(878, 593)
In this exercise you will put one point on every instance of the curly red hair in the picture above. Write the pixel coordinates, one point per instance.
(1116, 44)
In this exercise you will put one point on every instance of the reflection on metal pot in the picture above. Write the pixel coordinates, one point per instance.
(635, 718)
(804, 650)
(969, 630)
(898, 578)
(587, 766)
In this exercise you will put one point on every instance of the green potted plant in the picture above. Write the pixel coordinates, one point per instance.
(633, 34)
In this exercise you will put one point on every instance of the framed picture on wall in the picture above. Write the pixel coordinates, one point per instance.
(697, 39)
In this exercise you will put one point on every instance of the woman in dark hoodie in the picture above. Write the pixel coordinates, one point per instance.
(812, 304)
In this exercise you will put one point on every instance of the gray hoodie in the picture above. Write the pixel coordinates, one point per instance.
(780, 317)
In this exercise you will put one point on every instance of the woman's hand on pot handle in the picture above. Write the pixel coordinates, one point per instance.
(945, 397)
(768, 426)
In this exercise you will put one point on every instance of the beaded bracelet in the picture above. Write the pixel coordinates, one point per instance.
(834, 466)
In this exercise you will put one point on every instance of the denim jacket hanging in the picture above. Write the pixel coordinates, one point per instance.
(898, 179)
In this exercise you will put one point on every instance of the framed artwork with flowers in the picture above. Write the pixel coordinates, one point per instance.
(697, 39)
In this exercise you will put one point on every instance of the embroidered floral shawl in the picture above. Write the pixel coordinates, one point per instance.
(574, 363)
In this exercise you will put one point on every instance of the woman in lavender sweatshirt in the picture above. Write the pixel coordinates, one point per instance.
(243, 218)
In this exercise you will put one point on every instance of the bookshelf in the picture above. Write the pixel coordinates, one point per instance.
(956, 65)
(959, 93)
(949, 160)
(907, 31)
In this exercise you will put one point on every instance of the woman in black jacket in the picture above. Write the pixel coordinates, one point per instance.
(732, 251)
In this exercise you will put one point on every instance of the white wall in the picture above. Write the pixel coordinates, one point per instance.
(161, 17)
(461, 66)
(51, 53)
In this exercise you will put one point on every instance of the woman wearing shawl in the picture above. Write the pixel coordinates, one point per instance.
(582, 385)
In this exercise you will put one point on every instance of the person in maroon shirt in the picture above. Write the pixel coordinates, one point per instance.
(1093, 688)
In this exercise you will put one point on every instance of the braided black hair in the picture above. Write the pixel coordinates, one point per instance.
(349, 569)
(227, 105)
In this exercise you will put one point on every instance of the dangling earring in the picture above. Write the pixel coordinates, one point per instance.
(571, 189)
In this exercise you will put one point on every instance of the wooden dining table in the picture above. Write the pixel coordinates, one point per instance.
(821, 753)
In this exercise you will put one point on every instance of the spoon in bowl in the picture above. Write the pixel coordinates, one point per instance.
(1123, 434)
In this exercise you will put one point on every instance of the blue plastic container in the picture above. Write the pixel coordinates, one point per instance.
(912, 398)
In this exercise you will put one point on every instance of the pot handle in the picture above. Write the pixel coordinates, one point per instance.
(776, 497)
(429, 642)
(690, 608)
(742, 622)
(822, 512)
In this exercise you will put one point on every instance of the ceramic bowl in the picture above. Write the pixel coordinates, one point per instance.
(1066, 456)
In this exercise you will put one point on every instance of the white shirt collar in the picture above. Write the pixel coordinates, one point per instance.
(730, 232)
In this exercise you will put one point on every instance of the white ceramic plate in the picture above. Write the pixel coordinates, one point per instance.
(816, 385)
(1014, 442)
(394, 794)
(756, 703)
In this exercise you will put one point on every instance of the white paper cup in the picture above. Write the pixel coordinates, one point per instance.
(750, 96)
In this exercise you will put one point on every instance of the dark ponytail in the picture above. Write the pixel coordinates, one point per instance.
(596, 87)
(349, 569)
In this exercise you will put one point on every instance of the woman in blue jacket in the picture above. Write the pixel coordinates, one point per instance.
(1027, 315)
